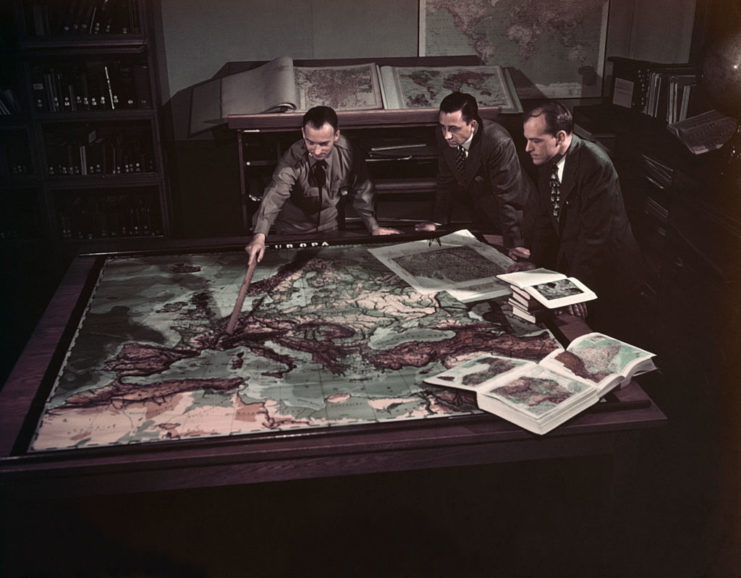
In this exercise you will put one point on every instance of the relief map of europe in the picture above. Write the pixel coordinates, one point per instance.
(555, 49)
(327, 337)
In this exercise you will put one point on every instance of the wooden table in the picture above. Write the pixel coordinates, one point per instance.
(612, 429)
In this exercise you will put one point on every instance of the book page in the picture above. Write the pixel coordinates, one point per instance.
(601, 353)
(705, 132)
(457, 261)
(426, 86)
(270, 87)
(478, 372)
(351, 87)
(560, 293)
(538, 392)
(531, 277)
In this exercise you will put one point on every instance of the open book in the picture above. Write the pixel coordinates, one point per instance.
(705, 132)
(280, 86)
(549, 288)
(541, 396)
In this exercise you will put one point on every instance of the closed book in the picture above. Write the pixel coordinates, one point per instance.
(536, 317)
(142, 86)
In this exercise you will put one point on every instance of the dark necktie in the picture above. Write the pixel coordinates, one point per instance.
(319, 174)
(555, 185)
(460, 159)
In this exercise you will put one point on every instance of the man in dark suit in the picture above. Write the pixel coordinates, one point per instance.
(576, 222)
(478, 167)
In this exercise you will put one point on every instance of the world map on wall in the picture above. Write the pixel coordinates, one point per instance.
(553, 49)
(328, 337)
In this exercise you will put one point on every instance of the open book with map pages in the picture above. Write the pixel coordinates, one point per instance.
(550, 289)
(541, 396)
(280, 86)
(426, 86)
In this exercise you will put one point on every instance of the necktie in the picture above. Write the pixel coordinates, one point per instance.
(319, 174)
(460, 159)
(555, 185)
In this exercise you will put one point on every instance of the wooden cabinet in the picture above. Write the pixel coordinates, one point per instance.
(399, 147)
(685, 212)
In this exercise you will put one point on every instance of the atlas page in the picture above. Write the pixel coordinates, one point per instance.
(531, 277)
(601, 359)
(425, 87)
(555, 294)
(352, 87)
(521, 391)
(267, 88)
(478, 372)
(536, 398)
(458, 263)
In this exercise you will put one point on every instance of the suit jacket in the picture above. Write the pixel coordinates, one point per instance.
(493, 184)
(592, 240)
(296, 205)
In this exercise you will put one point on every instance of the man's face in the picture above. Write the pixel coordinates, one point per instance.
(456, 131)
(541, 146)
(319, 141)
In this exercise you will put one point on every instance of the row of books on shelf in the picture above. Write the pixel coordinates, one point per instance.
(115, 215)
(82, 17)
(669, 92)
(112, 154)
(93, 85)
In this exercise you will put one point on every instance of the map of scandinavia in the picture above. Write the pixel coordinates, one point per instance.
(327, 337)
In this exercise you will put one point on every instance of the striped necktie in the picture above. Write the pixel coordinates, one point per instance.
(555, 186)
(460, 159)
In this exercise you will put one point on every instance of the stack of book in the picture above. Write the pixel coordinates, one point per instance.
(538, 293)
(525, 307)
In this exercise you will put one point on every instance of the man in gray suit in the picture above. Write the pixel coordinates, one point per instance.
(576, 222)
(478, 167)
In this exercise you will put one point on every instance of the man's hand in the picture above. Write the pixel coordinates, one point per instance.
(256, 247)
(520, 266)
(426, 227)
(385, 231)
(578, 310)
(519, 253)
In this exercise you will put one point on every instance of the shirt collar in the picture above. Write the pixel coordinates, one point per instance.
(467, 145)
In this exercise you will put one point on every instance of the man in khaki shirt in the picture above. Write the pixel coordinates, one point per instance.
(311, 179)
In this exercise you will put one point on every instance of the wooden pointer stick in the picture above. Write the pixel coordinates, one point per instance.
(240, 299)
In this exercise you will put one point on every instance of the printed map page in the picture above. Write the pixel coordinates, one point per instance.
(354, 87)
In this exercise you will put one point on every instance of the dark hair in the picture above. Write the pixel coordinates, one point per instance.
(557, 117)
(464, 102)
(318, 115)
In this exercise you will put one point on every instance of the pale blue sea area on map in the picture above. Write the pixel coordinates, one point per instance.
(327, 337)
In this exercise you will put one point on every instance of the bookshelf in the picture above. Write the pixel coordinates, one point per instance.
(84, 152)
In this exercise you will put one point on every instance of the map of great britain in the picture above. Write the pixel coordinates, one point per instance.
(327, 337)
(556, 46)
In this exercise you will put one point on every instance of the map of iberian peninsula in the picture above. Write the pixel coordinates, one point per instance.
(327, 337)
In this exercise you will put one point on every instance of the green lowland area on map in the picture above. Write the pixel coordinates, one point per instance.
(327, 337)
